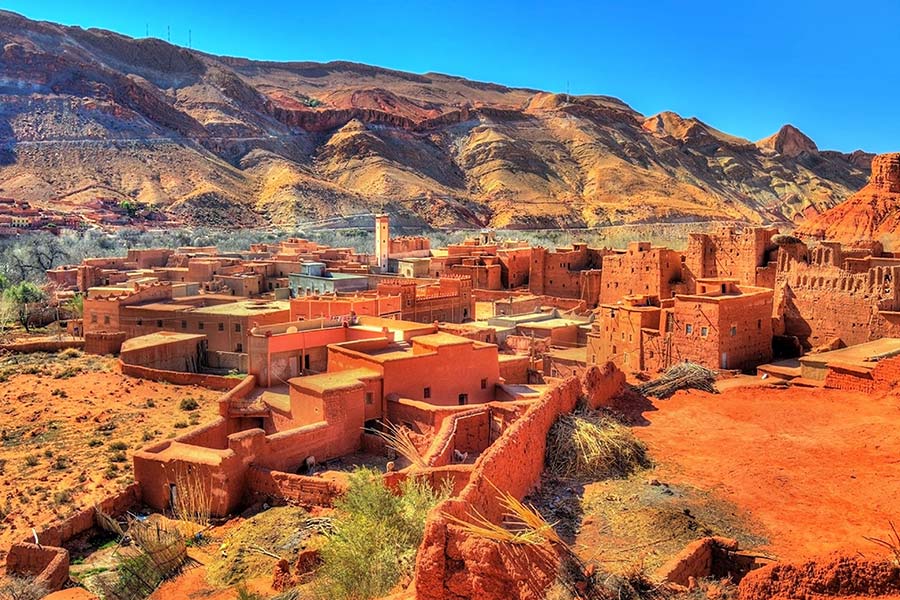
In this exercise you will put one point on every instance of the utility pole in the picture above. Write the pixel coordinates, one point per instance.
(189, 39)
(147, 26)
(168, 33)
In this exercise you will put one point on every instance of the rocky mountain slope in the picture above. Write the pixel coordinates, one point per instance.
(871, 213)
(90, 113)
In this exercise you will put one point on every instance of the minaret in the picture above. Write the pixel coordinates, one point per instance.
(382, 241)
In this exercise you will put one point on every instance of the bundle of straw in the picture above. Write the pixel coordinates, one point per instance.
(592, 446)
(686, 375)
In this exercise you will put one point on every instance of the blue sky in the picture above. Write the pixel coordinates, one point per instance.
(745, 67)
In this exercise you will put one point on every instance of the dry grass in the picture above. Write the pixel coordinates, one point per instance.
(398, 439)
(589, 445)
(892, 543)
(192, 497)
(525, 525)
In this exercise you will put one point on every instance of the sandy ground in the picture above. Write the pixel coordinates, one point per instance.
(815, 469)
(69, 426)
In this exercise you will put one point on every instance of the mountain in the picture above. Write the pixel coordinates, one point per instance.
(88, 114)
(871, 213)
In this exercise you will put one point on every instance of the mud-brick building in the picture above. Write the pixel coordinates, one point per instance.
(449, 300)
(747, 255)
(342, 306)
(722, 326)
(567, 272)
(642, 269)
(619, 331)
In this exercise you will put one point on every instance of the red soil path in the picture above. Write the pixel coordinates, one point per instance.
(818, 469)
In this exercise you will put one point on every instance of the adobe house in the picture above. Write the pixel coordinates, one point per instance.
(165, 350)
(747, 255)
(567, 272)
(420, 381)
(315, 278)
(343, 305)
(450, 299)
(722, 326)
(641, 269)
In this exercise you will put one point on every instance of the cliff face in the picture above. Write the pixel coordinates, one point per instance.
(871, 213)
(89, 113)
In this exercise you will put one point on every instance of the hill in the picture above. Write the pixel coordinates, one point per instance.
(88, 114)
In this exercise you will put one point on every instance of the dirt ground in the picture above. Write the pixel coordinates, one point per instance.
(813, 470)
(69, 424)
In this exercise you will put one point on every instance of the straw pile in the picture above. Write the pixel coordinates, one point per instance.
(686, 375)
(592, 446)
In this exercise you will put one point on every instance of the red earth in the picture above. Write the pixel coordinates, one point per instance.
(817, 469)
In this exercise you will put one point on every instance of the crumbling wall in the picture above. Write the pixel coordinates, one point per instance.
(707, 557)
(452, 565)
(213, 382)
(47, 566)
(834, 577)
(266, 484)
(104, 342)
(27, 347)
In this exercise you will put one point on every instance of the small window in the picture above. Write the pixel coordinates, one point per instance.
(105, 319)
(140, 322)
(759, 323)
(733, 330)
(484, 384)
(426, 393)
(689, 329)
(704, 331)
(370, 398)
(463, 399)
(237, 327)
(159, 322)
(184, 324)
(306, 362)
(94, 318)
(200, 325)
(239, 348)
(221, 326)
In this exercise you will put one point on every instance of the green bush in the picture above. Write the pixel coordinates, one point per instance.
(375, 538)
(189, 404)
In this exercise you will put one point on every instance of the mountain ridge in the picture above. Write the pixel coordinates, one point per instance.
(86, 112)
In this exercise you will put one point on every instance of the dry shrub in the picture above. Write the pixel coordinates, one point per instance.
(21, 588)
(192, 496)
(590, 445)
(397, 438)
(891, 543)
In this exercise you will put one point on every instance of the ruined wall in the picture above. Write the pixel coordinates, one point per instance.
(46, 566)
(266, 484)
(104, 343)
(453, 565)
(744, 255)
(213, 382)
(812, 288)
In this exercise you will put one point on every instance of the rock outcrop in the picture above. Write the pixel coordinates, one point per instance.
(87, 114)
(871, 213)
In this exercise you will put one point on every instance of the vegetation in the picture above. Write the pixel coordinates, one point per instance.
(22, 297)
(192, 497)
(891, 542)
(397, 439)
(590, 445)
(20, 588)
(375, 536)
(189, 404)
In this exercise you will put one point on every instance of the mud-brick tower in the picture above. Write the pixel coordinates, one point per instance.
(382, 241)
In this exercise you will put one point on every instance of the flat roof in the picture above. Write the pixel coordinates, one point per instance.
(442, 338)
(860, 355)
(551, 323)
(162, 306)
(338, 380)
(159, 338)
(245, 308)
(332, 275)
(574, 354)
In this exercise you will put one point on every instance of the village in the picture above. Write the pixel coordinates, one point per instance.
(325, 357)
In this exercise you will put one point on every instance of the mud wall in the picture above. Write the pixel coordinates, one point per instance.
(213, 382)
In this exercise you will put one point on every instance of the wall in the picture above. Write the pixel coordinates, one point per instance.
(641, 270)
(41, 346)
(265, 484)
(46, 566)
(214, 382)
(104, 343)
(450, 563)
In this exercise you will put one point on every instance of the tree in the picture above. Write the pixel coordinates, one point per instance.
(24, 296)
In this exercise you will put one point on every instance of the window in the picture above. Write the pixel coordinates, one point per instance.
(221, 326)
(184, 324)
(689, 329)
(159, 322)
(704, 331)
(94, 318)
(426, 393)
(733, 330)
(200, 325)
(105, 319)
(237, 327)
(370, 398)
(463, 399)
(306, 362)
(759, 323)
(484, 384)
(239, 348)
(140, 322)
